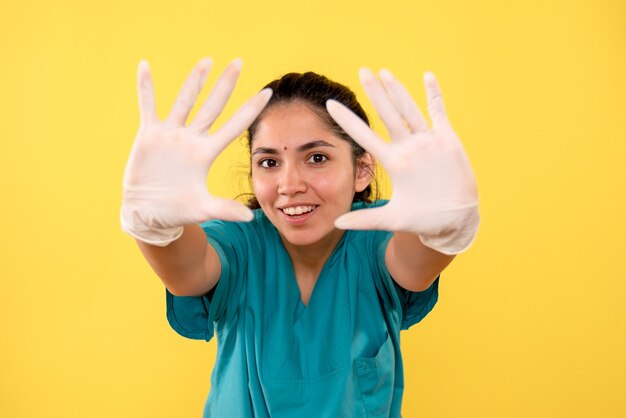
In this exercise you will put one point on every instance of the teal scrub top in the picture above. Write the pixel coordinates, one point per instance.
(339, 356)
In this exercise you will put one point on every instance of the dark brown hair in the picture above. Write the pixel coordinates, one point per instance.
(314, 90)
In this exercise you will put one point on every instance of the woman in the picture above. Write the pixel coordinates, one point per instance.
(308, 293)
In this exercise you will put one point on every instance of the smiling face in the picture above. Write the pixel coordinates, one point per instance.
(303, 174)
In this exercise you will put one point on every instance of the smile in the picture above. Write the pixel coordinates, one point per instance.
(298, 215)
(297, 210)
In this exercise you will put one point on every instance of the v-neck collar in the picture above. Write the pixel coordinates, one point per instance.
(293, 283)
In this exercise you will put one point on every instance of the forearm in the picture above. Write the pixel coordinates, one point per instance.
(413, 265)
(181, 265)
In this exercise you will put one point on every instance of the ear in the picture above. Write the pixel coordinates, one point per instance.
(366, 166)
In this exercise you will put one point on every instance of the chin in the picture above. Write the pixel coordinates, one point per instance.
(301, 239)
(305, 238)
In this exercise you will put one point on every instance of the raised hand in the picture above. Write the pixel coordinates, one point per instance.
(165, 178)
(434, 189)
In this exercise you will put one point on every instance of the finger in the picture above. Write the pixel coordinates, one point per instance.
(226, 210)
(370, 219)
(436, 108)
(189, 92)
(145, 90)
(240, 121)
(214, 104)
(358, 130)
(403, 101)
(384, 107)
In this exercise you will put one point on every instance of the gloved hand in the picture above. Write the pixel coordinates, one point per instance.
(164, 184)
(434, 190)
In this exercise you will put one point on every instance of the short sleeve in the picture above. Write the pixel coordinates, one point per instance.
(196, 317)
(413, 306)
(416, 305)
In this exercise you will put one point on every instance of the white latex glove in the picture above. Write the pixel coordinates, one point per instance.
(434, 189)
(165, 178)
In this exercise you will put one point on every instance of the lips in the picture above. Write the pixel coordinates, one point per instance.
(297, 210)
(298, 214)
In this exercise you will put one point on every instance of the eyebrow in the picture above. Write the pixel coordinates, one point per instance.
(305, 147)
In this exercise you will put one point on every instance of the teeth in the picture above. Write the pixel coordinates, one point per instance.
(298, 210)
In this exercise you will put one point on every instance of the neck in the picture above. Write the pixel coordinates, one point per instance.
(312, 257)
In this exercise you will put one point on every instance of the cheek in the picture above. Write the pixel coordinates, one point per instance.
(335, 183)
(262, 187)
(325, 183)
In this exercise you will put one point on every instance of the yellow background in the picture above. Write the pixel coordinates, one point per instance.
(531, 321)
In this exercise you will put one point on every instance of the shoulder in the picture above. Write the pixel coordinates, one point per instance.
(239, 234)
(258, 224)
(370, 239)
(369, 205)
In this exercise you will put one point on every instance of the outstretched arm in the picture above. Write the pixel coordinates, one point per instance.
(164, 191)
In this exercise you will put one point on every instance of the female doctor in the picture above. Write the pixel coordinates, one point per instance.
(308, 292)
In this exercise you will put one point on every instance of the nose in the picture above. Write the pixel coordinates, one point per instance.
(291, 181)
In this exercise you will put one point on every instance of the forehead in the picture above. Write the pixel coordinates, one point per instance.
(291, 125)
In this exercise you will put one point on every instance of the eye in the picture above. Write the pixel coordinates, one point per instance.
(268, 163)
(317, 159)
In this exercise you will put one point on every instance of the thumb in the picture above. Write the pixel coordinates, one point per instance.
(363, 219)
(227, 210)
